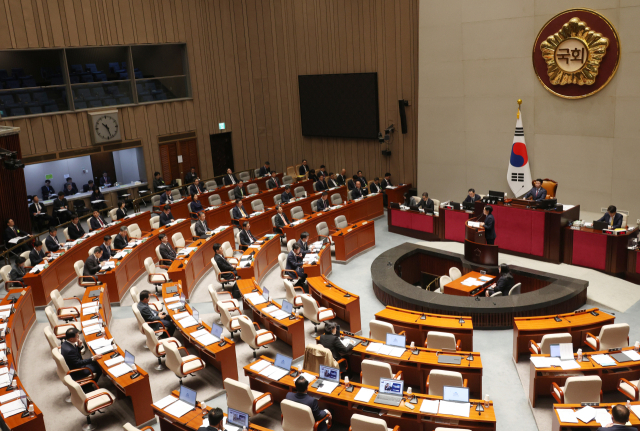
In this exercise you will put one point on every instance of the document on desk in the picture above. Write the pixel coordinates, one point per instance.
(454, 409)
(603, 417)
(16, 239)
(396, 352)
(586, 414)
(179, 316)
(474, 224)
(207, 339)
(374, 347)
(632, 354)
(270, 309)
(98, 342)
(274, 373)
(175, 305)
(328, 387)
(120, 370)
(89, 310)
(484, 278)
(364, 395)
(103, 350)
(178, 409)
(4, 380)
(567, 416)
(430, 406)
(541, 361)
(12, 408)
(199, 333)
(171, 299)
(92, 329)
(636, 410)
(255, 298)
(10, 397)
(188, 322)
(604, 360)
(161, 404)
(308, 377)
(570, 365)
(115, 361)
(279, 315)
(260, 365)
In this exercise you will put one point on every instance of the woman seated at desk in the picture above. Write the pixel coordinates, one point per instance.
(196, 206)
(504, 283)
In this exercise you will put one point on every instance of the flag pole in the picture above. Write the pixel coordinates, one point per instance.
(519, 103)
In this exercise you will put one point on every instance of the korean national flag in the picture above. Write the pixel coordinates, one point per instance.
(519, 173)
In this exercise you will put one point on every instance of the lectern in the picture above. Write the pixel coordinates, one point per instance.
(476, 249)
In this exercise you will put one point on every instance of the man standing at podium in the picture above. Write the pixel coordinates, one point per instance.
(472, 197)
(489, 225)
(537, 193)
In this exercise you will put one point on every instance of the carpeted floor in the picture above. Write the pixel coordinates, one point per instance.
(506, 383)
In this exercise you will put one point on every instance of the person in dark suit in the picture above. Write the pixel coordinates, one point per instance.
(303, 242)
(238, 191)
(166, 251)
(225, 266)
(489, 225)
(312, 175)
(51, 241)
(149, 316)
(425, 203)
(68, 191)
(286, 194)
(320, 184)
(472, 196)
(196, 188)
(36, 255)
(61, 208)
(96, 222)
(322, 171)
(239, 212)
(92, 264)
(281, 220)
(74, 188)
(537, 193)
(610, 215)
(97, 196)
(75, 229)
(105, 181)
(358, 191)
(216, 420)
(303, 169)
(157, 182)
(196, 206)
(331, 340)
(229, 179)
(375, 186)
(323, 203)
(273, 182)
(88, 187)
(201, 225)
(191, 176)
(13, 232)
(122, 238)
(18, 271)
(342, 178)
(107, 252)
(39, 214)
(332, 181)
(166, 197)
(301, 396)
(362, 179)
(386, 181)
(505, 282)
(294, 263)
(70, 349)
(351, 183)
(620, 416)
(121, 212)
(246, 237)
(265, 170)
(47, 190)
(166, 216)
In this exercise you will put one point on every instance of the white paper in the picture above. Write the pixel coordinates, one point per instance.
(255, 298)
(570, 365)
(604, 360)
(430, 406)
(308, 377)
(636, 410)
(260, 365)
(182, 315)
(567, 416)
(92, 329)
(199, 333)
(632, 354)
(188, 322)
(171, 299)
(328, 387)
(98, 342)
(278, 373)
(454, 409)
(279, 315)
(89, 304)
(270, 309)
(540, 361)
(89, 310)
(174, 306)
(120, 370)
(12, 408)
(586, 414)
(566, 351)
(603, 417)
(385, 350)
(397, 352)
(374, 347)
(178, 409)
(364, 395)
(9, 397)
(103, 350)
(207, 339)
(114, 361)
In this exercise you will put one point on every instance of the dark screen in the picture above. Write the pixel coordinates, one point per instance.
(339, 106)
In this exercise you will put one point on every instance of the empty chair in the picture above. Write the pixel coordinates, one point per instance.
(85, 280)
(244, 176)
(454, 273)
(154, 222)
(67, 308)
(178, 240)
(290, 246)
(378, 330)
(316, 314)
(287, 179)
(222, 299)
(314, 205)
(211, 185)
(215, 200)
(444, 280)
(59, 328)
(155, 346)
(91, 402)
(299, 417)
(9, 284)
(578, 389)
(153, 276)
(373, 371)
(230, 323)
(629, 389)
(257, 205)
(290, 290)
(139, 319)
(297, 213)
(365, 423)
(515, 290)
(547, 340)
(155, 203)
(341, 222)
(242, 398)
(134, 231)
(228, 251)
(182, 366)
(438, 379)
(299, 192)
(616, 335)
(232, 195)
(255, 337)
(277, 199)
(253, 189)
(323, 230)
(441, 341)
(176, 192)
(154, 301)
(336, 199)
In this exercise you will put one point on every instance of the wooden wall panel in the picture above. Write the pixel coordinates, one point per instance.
(244, 60)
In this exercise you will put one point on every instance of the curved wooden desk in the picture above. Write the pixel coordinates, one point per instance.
(595, 249)
(289, 331)
(577, 324)
(396, 193)
(476, 249)
(416, 328)
(264, 259)
(18, 326)
(561, 426)
(138, 389)
(189, 269)
(353, 240)
(323, 266)
(415, 224)
(329, 295)
(222, 358)
(343, 405)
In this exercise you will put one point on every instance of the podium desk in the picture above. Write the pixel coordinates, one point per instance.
(456, 287)
(222, 358)
(557, 425)
(540, 379)
(190, 268)
(476, 249)
(413, 223)
(291, 331)
(595, 249)
(61, 272)
(329, 295)
(343, 405)
(138, 389)
(264, 259)
(323, 266)
(454, 221)
(396, 193)
(577, 324)
(417, 327)
(353, 240)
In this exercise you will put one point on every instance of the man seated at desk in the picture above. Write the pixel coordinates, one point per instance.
(229, 179)
(342, 178)
(332, 182)
(612, 218)
(122, 238)
(105, 181)
(323, 203)
(238, 191)
(303, 242)
(331, 340)
(166, 216)
(425, 203)
(301, 396)
(68, 191)
(320, 184)
(36, 255)
(88, 187)
(281, 220)
(153, 318)
(294, 263)
(303, 169)
(273, 182)
(246, 237)
(166, 251)
(238, 212)
(286, 195)
(107, 252)
(375, 186)
(386, 181)
(92, 264)
(74, 188)
(620, 416)
(39, 214)
(201, 226)
(51, 241)
(216, 420)
(504, 283)
(166, 197)
(97, 222)
(265, 170)
(47, 190)
(322, 171)
(12, 232)
(358, 191)
(96, 195)
(537, 193)
(61, 208)
(191, 176)
(70, 350)
(225, 266)
(75, 229)
(158, 182)
(18, 271)
(472, 196)
(196, 188)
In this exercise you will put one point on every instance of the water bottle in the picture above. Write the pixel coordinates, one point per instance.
(32, 410)
(409, 391)
(413, 345)
(628, 404)
(486, 401)
(346, 381)
(579, 355)
(203, 406)
(636, 347)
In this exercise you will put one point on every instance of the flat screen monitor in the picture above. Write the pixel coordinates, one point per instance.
(283, 362)
(496, 194)
(238, 418)
(391, 386)
(455, 393)
(396, 340)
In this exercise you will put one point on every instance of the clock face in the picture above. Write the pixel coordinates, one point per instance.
(107, 127)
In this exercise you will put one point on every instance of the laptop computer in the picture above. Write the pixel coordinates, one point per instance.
(188, 396)
(454, 205)
(390, 392)
(457, 394)
(599, 225)
(396, 340)
(449, 359)
(287, 307)
(283, 362)
(129, 359)
(327, 374)
(216, 331)
(237, 419)
(468, 205)
(265, 294)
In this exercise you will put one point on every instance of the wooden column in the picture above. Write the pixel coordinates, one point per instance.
(13, 189)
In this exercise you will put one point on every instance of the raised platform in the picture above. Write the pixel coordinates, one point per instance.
(396, 272)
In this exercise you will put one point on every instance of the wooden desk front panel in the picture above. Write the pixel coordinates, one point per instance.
(332, 296)
(397, 195)
(324, 264)
(264, 260)
(354, 240)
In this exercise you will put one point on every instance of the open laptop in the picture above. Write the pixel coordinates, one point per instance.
(187, 396)
(457, 394)
(283, 362)
(216, 331)
(265, 294)
(129, 359)
(236, 420)
(327, 374)
(599, 225)
(390, 392)
(396, 340)
(280, 368)
(186, 403)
